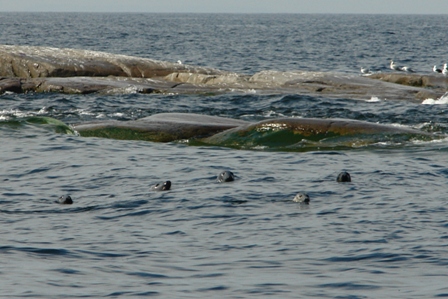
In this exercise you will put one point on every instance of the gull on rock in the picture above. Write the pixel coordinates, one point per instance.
(436, 70)
(365, 71)
(407, 69)
(394, 67)
(445, 69)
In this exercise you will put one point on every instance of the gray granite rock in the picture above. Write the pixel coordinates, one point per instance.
(45, 69)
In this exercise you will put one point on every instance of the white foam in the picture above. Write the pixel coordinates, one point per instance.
(399, 125)
(433, 141)
(14, 112)
(373, 100)
(440, 101)
(130, 89)
(272, 113)
(84, 112)
(43, 110)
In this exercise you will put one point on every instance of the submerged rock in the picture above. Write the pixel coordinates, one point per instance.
(280, 134)
(164, 127)
(296, 133)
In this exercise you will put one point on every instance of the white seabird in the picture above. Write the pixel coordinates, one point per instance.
(394, 67)
(445, 69)
(179, 62)
(365, 70)
(407, 69)
(436, 70)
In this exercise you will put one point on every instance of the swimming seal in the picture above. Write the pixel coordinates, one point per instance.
(226, 176)
(65, 200)
(302, 198)
(162, 186)
(344, 177)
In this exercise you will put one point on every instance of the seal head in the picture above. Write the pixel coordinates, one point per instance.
(225, 176)
(65, 200)
(344, 177)
(162, 186)
(302, 198)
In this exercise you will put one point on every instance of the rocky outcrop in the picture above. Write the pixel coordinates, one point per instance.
(106, 85)
(37, 62)
(45, 69)
(340, 85)
(417, 80)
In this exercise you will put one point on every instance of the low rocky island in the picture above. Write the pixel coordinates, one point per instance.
(46, 69)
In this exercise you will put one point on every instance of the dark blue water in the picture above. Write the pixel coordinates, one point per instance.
(384, 235)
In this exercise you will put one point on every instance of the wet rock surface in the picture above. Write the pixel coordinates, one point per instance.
(167, 127)
(163, 127)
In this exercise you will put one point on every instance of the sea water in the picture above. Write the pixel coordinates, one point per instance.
(384, 235)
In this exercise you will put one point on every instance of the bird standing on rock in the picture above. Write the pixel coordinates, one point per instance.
(407, 69)
(365, 71)
(436, 70)
(445, 69)
(394, 67)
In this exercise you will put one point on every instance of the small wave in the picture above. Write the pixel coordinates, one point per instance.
(43, 110)
(38, 251)
(37, 121)
(380, 257)
(374, 100)
(147, 275)
(440, 101)
(83, 112)
(118, 114)
(423, 142)
(272, 114)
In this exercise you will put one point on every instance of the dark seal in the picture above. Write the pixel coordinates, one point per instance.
(302, 198)
(344, 177)
(65, 200)
(162, 186)
(225, 176)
